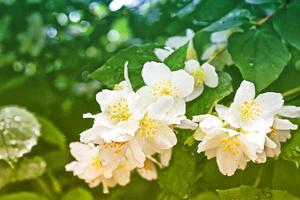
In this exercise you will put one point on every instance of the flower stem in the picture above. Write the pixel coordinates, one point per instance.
(291, 92)
(215, 55)
(258, 177)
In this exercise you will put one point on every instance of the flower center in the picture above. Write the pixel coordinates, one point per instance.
(230, 144)
(164, 88)
(148, 126)
(199, 76)
(119, 111)
(249, 109)
(118, 87)
(96, 162)
(116, 146)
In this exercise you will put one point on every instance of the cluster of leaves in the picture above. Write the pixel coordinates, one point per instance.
(267, 53)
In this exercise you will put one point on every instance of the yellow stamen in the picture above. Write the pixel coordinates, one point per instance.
(116, 146)
(119, 111)
(96, 162)
(118, 87)
(249, 109)
(148, 126)
(164, 88)
(230, 144)
(199, 76)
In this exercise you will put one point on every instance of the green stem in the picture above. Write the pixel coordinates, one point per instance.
(215, 56)
(259, 175)
(291, 92)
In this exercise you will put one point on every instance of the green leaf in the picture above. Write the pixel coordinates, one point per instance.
(178, 178)
(263, 1)
(51, 134)
(206, 195)
(291, 149)
(77, 194)
(24, 169)
(112, 72)
(234, 19)
(259, 54)
(286, 24)
(210, 97)
(23, 196)
(286, 177)
(250, 193)
(19, 131)
(177, 59)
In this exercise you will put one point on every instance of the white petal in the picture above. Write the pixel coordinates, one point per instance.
(161, 106)
(149, 171)
(220, 36)
(221, 110)
(228, 162)
(136, 154)
(232, 116)
(165, 138)
(270, 143)
(246, 91)
(289, 111)
(196, 93)
(284, 124)
(165, 157)
(162, 54)
(187, 124)
(191, 65)
(126, 76)
(153, 72)
(211, 76)
(184, 82)
(209, 52)
(270, 102)
(210, 141)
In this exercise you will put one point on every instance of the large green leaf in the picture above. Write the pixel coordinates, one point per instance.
(287, 24)
(210, 97)
(23, 196)
(19, 131)
(111, 72)
(25, 169)
(77, 194)
(234, 19)
(250, 193)
(259, 54)
(178, 178)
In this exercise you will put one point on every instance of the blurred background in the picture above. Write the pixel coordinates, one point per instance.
(47, 50)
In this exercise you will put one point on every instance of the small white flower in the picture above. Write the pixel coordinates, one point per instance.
(217, 46)
(89, 167)
(204, 74)
(250, 113)
(232, 149)
(174, 43)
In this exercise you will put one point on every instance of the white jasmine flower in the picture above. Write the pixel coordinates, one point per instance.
(174, 43)
(204, 74)
(88, 166)
(161, 81)
(232, 149)
(250, 113)
(154, 133)
(216, 49)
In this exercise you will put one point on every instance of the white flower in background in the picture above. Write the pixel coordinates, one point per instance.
(203, 75)
(161, 81)
(231, 148)
(174, 43)
(217, 48)
(88, 166)
(250, 113)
